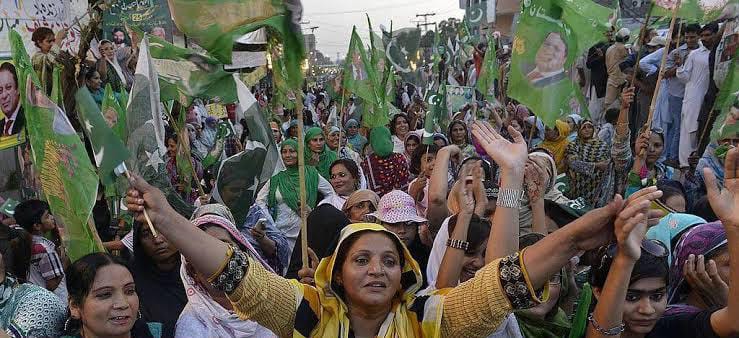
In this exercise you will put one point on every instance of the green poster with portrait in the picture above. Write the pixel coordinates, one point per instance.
(148, 16)
(550, 35)
(457, 97)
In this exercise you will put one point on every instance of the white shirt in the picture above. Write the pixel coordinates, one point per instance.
(694, 73)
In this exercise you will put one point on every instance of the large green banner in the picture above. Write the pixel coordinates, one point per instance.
(150, 16)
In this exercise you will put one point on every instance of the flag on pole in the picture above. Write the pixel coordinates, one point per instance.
(727, 103)
(239, 179)
(489, 71)
(146, 130)
(361, 79)
(549, 37)
(108, 149)
(114, 107)
(185, 74)
(56, 86)
(67, 177)
(697, 10)
(436, 115)
(216, 24)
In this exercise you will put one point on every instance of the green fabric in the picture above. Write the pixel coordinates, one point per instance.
(580, 320)
(288, 182)
(555, 326)
(325, 158)
(436, 115)
(185, 74)
(108, 149)
(67, 176)
(557, 31)
(56, 86)
(727, 98)
(489, 72)
(694, 10)
(216, 24)
(110, 101)
(360, 78)
(381, 141)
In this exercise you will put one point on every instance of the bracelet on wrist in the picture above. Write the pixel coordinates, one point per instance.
(614, 331)
(509, 198)
(458, 244)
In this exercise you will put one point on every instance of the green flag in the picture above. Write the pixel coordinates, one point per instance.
(67, 177)
(489, 72)
(56, 86)
(284, 94)
(108, 149)
(216, 24)
(114, 106)
(361, 79)
(726, 125)
(146, 130)
(549, 37)
(701, 11)
(476, 15)
(185, 74)
(239, 179)
(437, 113)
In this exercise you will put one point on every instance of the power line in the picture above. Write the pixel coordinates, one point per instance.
(367, 9)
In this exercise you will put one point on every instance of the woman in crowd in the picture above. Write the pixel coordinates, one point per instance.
(671, 227)
(44, 60)
(176, 177)
(345, 179)
(460, 136)
(156, 271)
(261, 231)
(647, 169)
(208, 312)
(26, 309)
(94, 85)
(356, 140)
(281, 194)
(399, 127)
(534, 129)
(573, 121)
(589, 163)
(359, 290)
(111, 72)
(103, 300)
(412, 141)
(385, 170)
(359, 204)
(317, 153)
(555, 141)
(337, 143)
(632, 281)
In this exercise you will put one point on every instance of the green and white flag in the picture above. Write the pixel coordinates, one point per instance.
(550, 35)
(489, 72)
(67, 176)
(108, 149)
(146, 130)
(727, 103)
(701, 11)
(185, 74)
(241, 176)
(115, 107)
(216, 24)
(361, 79)
(436, 115)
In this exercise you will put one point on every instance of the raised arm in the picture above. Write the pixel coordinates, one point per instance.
(511, 158)
(630, 229)
(725, 202)
(437, 210)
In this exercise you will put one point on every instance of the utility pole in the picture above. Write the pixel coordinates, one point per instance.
(426, 22)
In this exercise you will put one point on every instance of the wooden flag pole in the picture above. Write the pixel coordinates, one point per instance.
(641, 37)
(127, 173)
(661, 66)
(301, 178)
(531, 132)
(183, 133)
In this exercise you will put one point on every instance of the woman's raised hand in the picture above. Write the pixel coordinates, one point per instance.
(142, 194)
(724, 200)
(508, 155)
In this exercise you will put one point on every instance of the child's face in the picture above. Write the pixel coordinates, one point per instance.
(427, 164)
(47, 221)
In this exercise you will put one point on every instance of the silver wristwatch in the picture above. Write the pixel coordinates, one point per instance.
(509, 198)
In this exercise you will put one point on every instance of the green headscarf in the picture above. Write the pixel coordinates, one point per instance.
(325, 158)
(554, 325)
(381, 141)
(288, 182)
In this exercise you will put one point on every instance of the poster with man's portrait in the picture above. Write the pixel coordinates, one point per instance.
(12, 118)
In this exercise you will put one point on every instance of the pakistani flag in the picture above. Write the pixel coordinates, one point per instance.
(146, 130)
(108, 149)
(115, 106)
(284, 94)
(216, 24)
(701, 11)
(549, 36)
(242, 176)
(489, 72)
(476, 15)
(67, 177)
(436, 115)
(726, 125)
(361, 79)
(8, 207)
(185, 74)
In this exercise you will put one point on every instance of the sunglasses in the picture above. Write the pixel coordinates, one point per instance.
(651, 246)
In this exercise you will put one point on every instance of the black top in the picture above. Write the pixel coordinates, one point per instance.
(597, 65)
(684, 324)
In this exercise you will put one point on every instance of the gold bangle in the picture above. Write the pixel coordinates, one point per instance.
(545, 290)
(229, 254)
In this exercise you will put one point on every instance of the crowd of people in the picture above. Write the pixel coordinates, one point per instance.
(493, 226)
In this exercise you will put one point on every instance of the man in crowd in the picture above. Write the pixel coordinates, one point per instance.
(694, 73)
(615, 55)
(596, 62)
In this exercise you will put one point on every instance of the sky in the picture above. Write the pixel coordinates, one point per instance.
(335, 18)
